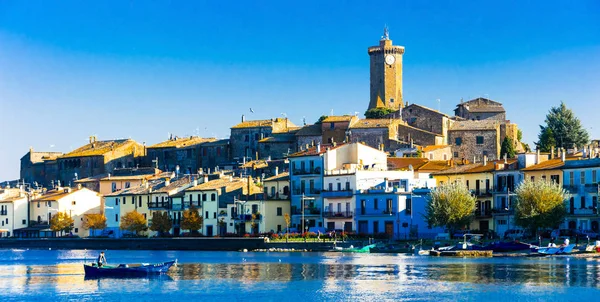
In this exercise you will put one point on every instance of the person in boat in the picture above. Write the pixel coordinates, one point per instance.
(101, 259)
(566, 242)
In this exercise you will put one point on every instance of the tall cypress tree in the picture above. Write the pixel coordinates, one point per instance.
(563, 129)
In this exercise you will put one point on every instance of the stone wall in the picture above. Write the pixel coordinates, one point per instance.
(420, 137)
(424, 118)
(244, 141)
(469, 148)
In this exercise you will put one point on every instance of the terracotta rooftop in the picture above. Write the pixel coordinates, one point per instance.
(256, 164)
(426, 108)
(550, 164)
(279, 125)
(98, 148)
(434, 147)
(38, 157)
(279, 138)
(176, 183)
(138, 190)
(56, 194)
(374, 123)
(279, 177)
(404, 163)
(181, 142)
(229, 185)
(219, 142)
(313, 150)
(435, 165)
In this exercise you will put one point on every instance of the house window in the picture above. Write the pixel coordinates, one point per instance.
(458, 141)
(594, 176)
(124, 199)
(445, 156)
(132, 199)
(127, 185)
(254, 208)
(479, 140)
(206, 214)
(214, 215)
(467, 184)
(38, 204)
(330, 187)
(582, 177)
(117, 217)
(279, 211)
(116, 201)
(375, 227)
(114, 186)
(554, 179)
(73, 202)
(203, 197)
(145, 216)
(24, 221)
(347, 186)
(431, 156)
(408, 206)
(246, 138)
(76, 230)
(375, 204)
(456, 154)
(213, 197)
(140, 201)
(571, 177)
(582, 202)
(331, 126)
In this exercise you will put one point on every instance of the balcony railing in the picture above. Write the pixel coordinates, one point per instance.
(159, 205)
(583, 212)
(306, 192)
(307, 211)
(375, 212)
(336, 194)
(481, 193)
(277, 196)
(504, 189)
(3, 212)
(248, 217)
(41, 223)
(483, 214)
(342, 214)
(313, 171)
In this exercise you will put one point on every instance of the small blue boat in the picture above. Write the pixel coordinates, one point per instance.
(558, 250)
(141, 269)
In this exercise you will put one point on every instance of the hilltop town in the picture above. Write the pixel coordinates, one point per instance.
(344, 173)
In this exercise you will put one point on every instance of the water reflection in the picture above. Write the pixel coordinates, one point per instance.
(328, 276)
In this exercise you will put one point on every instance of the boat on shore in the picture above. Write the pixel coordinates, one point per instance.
(552, 250)
(352, 249)
(139, 269)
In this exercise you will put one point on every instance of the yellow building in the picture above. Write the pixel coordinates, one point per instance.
(277, 202)
(479, 178)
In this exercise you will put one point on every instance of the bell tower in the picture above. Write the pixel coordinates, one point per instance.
(386, 74)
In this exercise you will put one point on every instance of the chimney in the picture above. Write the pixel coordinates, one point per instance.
(195, 182)
(552, 153)
(243, 118)
(562, 155)
(485, 160)
(78, 186)
(385, 184)
(167, 182)
(108, 176)
(318, 147)
(205, 178)
(505, 158)
(584, 152)
(230, 178)
(276, 171)
(537, 156)
(334, 144)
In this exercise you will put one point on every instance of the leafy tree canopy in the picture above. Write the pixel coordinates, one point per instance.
(133, 222)
(94, 222)
(451, 206)
(192, 220)
(507, 148)
(540, 204)
(161, 223)
(61, 222)
(380, 112)
(562, 129)
(321, 119)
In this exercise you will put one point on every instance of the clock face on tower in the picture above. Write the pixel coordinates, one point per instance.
(389, 59)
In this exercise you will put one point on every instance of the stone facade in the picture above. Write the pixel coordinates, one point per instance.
(439, 152)
(386, 74)
(481, 109)
(427, 119)
(417, 136)
(309, 135)
(182, 152)
(39, 167)
(475, 139)
(377, 133)
(335, 128)
(215, 154)
(280, 145)
(99, 157)
(245, 136)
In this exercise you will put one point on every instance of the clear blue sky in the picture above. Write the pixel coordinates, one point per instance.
(143, 69)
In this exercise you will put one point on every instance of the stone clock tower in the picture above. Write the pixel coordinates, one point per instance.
(386, 74)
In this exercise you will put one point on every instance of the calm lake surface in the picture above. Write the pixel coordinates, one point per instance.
(36, 275)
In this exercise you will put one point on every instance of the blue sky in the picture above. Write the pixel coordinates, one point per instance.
(144, 69)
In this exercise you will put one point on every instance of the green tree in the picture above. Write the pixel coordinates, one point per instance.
(288, 220)
(566, 129)
(61, 222)
(192, 220)
(94, 222)
(540, 204)
(380, 112)
(161, 223)
(451, 206)
(519, 135)
(321, 119)
(133, 222)
(546, 140)
(507, 148)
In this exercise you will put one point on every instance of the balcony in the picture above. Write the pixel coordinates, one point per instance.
(500, 190)
(306, 192)
(502, 211)
(336, 194)
(341, 215)
(314, 171)
(583, 212)
(3, 212)
(159, 205)
(277, 196)
(482, 193)
(247, 218)
(307, 211)
(483, 214)
(375, 212)
(40, 224)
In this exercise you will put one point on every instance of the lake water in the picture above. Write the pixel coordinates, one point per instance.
(35, 275)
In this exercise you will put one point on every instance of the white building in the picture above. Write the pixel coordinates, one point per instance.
(581, 180)
(13, 211)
